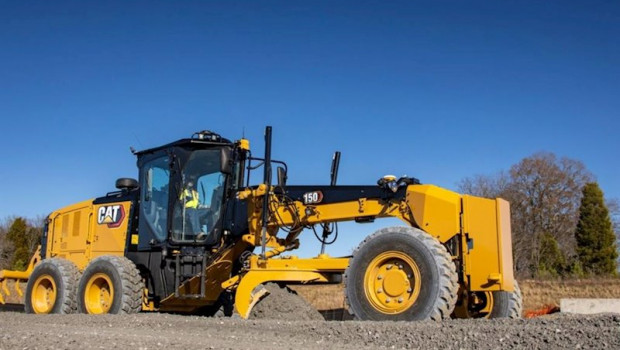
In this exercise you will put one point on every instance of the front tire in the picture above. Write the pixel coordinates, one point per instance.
(110, 285)
(52, 288)
(401, 274)
(498, 304)
(507, 304)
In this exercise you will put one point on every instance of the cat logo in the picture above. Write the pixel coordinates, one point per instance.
(112, 215)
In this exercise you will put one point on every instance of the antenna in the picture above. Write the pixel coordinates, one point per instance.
(137, 139)
(139, 143)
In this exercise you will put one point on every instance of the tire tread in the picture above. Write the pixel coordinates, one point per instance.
(131, 281)
(508, 304)
(70, 276)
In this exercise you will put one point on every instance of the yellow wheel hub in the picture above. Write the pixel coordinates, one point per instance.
(99, 294)
(392, 282)
(43, 295)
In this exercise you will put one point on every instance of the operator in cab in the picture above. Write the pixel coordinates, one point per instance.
(194, 211)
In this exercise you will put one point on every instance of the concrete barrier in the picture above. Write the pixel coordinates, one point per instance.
(590, 306)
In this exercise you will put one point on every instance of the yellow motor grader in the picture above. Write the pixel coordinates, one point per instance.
(192, 236)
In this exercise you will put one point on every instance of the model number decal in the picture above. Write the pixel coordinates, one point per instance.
(313, 197)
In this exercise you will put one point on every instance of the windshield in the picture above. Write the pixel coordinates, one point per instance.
(197, 208)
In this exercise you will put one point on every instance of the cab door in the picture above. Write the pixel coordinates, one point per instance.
(154, 199)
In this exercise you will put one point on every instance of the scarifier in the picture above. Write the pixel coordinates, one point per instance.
(192, 236)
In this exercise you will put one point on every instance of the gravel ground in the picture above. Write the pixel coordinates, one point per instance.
(165, 331)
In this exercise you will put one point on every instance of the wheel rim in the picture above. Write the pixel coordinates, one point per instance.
(481, 304)
(43, 295)
(98, 294)
(475, 305)
(392, 282)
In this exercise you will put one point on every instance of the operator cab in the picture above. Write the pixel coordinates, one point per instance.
(182, 191)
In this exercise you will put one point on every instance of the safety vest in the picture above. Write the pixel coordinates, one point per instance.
(191, 198)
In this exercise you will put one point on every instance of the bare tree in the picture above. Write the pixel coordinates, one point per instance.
(614, 213)
(35, 231)
(488, 186)
(6, 247)
(3, 248)
(544, 193)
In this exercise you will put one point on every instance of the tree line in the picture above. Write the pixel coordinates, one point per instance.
(561, 224)
(19, 238)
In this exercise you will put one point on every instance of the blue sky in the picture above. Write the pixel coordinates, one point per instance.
(438, 90)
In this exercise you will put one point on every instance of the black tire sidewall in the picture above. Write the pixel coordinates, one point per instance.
(421, 255)
(106, 267)
(46, 268)
(507, 304)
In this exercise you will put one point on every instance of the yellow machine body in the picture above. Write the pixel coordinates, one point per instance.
(84, 231)
(483, 226)
(79, 234)
(477, 229)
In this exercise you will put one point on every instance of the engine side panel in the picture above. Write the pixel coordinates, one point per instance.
(84, 231)
(69, 233)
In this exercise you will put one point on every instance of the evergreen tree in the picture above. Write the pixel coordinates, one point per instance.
(552, 260)
(17, 236)
(596, 241)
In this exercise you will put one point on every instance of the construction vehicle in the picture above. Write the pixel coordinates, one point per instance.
(192, 236)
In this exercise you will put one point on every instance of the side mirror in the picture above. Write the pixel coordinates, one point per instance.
(225, 161)
(126, 183)
(281, 177)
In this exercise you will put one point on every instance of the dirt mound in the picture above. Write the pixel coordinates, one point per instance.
(284, 304)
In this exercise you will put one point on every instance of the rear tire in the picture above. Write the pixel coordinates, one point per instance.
(52, 288)
(110, 285)
(401, 274)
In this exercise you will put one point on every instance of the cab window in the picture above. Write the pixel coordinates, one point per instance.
(154, 195)
(197, 209)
